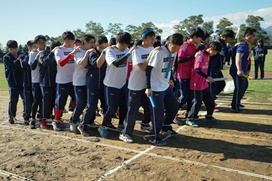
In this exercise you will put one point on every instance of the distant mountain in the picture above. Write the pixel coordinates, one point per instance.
(268, 30)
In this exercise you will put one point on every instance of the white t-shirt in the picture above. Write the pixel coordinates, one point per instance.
(35, 74)
(159, 61)
(137, 79)
(79, 77)
(65, 73)
(115, 76)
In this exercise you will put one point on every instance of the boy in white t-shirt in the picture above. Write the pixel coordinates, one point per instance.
(115, 81)
(158, 75)
(65, 69)
(79, 80)
(137, 84)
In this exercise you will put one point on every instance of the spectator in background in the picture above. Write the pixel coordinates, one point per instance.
(259, 53)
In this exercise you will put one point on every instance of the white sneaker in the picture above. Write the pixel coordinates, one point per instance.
(73, 127)
(81, 130)
(125, 137)
(56, 125)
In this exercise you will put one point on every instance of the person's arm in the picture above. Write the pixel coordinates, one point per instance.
(148, 80)
(84, 61)
(61, 60)
(101, 59)
(12, 65)
(238, 63)
(182, 60)
(143, 66)
(46, 59)
(33, 62)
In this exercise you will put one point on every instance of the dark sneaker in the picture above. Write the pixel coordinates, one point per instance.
(11, 120)
(145, 127)
(56, 125)
(80, 128)
(111, 126)
(170, 132)
(103, 132)
(241, 105)
(43, 124)
(32, 124)
(26, 121)
(157, 141)
(212, 120)
(178, 121)
(238, 110)
(191, 123)
(120, 127)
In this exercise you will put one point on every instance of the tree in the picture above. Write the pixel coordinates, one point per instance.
(94, 28)
(185, 27)
(20, 48)
(223, 24)
(114, 28)
(79, 33)
(2, 52)
(133, 30)
(208, 27)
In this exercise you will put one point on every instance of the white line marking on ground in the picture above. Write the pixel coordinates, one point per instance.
(252, 117)
(152, 154)
(103, 177)
(12, 175)
(256, 103)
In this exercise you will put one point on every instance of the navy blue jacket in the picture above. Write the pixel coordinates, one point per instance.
(13, 70)
(260, 50)
(215, 64)
(26, 71)
(48, 69)
(95, 76)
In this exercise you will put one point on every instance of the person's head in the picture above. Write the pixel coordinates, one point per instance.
(174, 42)
(40, 41)
(77, 43)
(68, 39)
(158, 38)
(148, 37)
(88, 41)
(30, 45)
(206, 39)
(227, 35)
(260, 43)
(101, 43)
(250, 35)
(54, 44)
(214, 48)
(157, 43)
(196, 35)
(112, 41)
(123, 40)
(12, 46)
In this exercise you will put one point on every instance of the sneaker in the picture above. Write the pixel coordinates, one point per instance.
(145, 127)
(43, 124)
(157, 141)
(32, 124)
(169, 132)
(103, 132)
(111, 126)
(238, 110)
(56, 125)
(11, 120)
(80, 128)
(26, 121)
(120, 127)
(212, 120)
(94, 125)
(191, 123)
(73, 127)
(178, 121)
(125, 137)
(241, 105)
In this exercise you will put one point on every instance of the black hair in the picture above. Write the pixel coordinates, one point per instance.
(30, 43)
(176, 39)
(101, 39)
(123, 37)
(12, 44)
(198, 32)
(68, 35)
(157, 43)
(38, 37)
(112, 41)
(205, 36)
(158, 37)
(147, 32)
(228, 33)
(250, 31)
(88, 38)
(54, 44)
(216, 45)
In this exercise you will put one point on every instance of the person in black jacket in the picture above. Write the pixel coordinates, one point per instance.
(259, 53)
(27, 84)
(48, 71)
(14, 77)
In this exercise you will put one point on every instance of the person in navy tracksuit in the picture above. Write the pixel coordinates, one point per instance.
(48, 71)
(94, 83)
(14, 77)
(27, 85)
(259, 53)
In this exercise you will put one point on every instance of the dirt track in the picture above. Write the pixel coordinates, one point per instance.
(240, 148)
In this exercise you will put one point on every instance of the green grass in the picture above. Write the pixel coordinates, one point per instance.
(3, 81)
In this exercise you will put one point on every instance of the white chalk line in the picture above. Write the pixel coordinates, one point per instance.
(152, 154)
(12, 175)
(253, 103)
(103, 177)
(251, 117)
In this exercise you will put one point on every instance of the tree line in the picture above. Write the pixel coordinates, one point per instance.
(184, 27)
